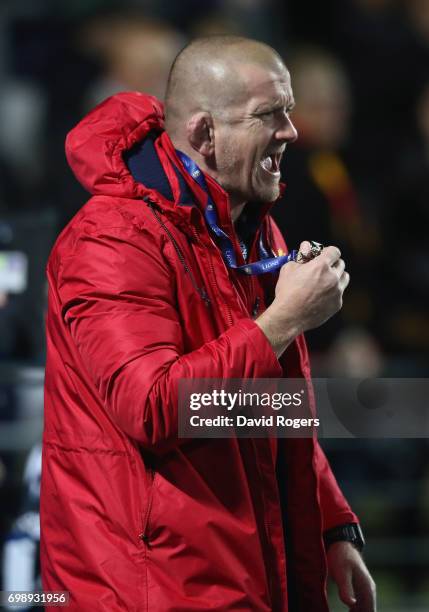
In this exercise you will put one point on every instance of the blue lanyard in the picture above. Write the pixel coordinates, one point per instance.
(266, 264)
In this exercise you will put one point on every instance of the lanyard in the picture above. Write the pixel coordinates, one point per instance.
(266, 264)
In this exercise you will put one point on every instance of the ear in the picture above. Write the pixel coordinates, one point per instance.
(200, 133)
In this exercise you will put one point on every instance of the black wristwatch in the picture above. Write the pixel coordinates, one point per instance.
(350, 532)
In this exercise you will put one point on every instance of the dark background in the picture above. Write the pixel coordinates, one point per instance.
(357, 177)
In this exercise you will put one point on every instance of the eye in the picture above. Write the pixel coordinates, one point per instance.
(266, 114)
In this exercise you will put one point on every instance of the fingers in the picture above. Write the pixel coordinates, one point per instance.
(304, 252)
(345, 589)
(339, 267)
(330, 254)
(343, 277)
(365, 592)
(305, 248)
(344, 281)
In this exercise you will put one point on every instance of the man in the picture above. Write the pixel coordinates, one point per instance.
(141, 296)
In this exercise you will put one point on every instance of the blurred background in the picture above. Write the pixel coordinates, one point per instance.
(357, 177)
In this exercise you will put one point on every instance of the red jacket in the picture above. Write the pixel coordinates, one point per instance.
(132, 519)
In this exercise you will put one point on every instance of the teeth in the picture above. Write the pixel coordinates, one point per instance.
(267, 163)
(275, 162)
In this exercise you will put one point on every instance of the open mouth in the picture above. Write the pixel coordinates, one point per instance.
(271, 164)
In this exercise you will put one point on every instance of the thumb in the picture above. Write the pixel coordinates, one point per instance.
(345, 589)
(305, 248)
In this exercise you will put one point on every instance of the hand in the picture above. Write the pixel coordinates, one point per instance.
(346, 567)
(314, 290)
(307, 295)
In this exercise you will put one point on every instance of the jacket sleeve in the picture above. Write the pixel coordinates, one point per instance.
(117, 297)
(335, 509)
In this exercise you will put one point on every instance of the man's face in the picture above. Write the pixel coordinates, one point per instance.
(252, 133)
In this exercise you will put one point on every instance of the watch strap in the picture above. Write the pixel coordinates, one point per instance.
(349, 532)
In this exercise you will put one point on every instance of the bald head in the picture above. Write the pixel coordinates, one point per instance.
(227, 108)
(207, 76)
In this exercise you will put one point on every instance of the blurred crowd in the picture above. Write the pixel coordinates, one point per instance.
(357, 177)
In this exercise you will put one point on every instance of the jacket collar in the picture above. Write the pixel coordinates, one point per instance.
(121, 149)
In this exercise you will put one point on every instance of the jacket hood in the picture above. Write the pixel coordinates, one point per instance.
(95, 147)
(121, 149)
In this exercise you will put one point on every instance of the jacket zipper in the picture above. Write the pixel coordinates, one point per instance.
(267, 523)
(213, 278)
(253, 297)
(256, 307)
(200, 290)
(145, 533)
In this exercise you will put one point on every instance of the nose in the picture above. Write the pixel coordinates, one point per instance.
(286, 130)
